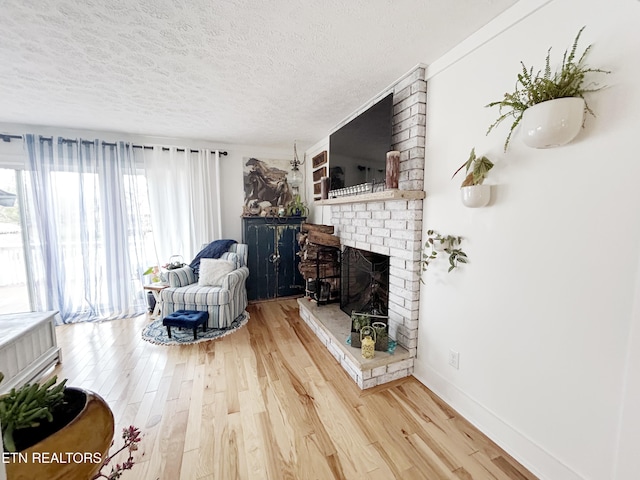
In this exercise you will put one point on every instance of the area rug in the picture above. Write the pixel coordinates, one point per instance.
(156, 333)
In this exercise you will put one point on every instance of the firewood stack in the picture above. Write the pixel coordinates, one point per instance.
(319, 254)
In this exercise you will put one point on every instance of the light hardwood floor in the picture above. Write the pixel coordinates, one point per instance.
(270, 402)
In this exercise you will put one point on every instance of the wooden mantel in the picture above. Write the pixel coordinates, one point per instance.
(375, 197)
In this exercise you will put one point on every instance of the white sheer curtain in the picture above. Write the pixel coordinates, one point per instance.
(184, 197)
(84, 227)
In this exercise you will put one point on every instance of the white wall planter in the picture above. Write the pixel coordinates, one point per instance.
(475, 196)
(553, 123)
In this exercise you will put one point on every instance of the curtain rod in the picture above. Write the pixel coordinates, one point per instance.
(7, 138)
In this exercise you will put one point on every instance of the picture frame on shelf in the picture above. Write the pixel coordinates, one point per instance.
(319, 160)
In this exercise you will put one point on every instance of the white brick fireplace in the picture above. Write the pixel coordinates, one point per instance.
(388, 223)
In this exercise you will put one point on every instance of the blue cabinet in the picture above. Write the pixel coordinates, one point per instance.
(273, 260)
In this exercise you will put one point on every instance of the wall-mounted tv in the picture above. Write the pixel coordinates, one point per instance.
(358, 150)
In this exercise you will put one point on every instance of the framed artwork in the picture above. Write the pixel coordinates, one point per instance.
(265, 182)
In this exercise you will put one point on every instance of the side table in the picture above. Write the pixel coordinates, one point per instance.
(155, 289)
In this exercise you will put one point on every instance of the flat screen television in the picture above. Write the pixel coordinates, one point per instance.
(358, 150)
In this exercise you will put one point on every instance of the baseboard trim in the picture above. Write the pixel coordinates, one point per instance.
(537, 460)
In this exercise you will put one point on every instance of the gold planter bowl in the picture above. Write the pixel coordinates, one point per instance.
(89, 433)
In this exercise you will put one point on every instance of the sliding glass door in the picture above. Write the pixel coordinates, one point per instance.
(14, 290)
(75, 231)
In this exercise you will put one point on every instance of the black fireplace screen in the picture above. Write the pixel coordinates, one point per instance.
(364, 282)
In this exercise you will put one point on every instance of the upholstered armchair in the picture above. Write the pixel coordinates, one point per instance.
(224, 303)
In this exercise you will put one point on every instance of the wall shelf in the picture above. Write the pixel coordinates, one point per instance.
(375, 197)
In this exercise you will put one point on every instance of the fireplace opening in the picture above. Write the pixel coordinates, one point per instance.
(364, 282)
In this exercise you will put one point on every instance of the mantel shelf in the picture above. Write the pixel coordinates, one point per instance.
(375, 197)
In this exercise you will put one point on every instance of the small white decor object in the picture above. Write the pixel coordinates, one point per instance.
(475, 196)
(553, 123)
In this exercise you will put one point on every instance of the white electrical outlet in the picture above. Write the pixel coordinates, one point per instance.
(454, 359)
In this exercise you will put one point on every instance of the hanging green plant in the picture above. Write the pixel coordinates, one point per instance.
(447, 243)
(479, 169)
(531, 89)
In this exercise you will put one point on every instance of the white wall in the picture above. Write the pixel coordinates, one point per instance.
(542, 313)
(628, 460)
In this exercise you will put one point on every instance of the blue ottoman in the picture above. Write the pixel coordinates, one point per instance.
(186, 319)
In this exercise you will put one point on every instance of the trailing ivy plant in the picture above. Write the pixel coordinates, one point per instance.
(479, 169)
(531, 89)
(450, 245)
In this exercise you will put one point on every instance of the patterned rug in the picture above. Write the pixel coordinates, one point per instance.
(156, 333)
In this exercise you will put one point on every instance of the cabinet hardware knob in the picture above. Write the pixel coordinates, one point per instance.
(274, 258)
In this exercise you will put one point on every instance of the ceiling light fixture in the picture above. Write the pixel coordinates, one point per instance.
(295, 177)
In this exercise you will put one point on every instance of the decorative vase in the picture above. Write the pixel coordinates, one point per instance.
(382, 336)
(81, 446)
(553, 123)
(475, 196)
(393, 169)
(325, 185)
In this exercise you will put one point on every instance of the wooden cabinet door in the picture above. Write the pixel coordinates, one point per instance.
(272, 261)
(262, 274)
(290, 280)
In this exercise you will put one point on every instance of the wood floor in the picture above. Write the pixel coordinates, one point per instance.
(270, 402)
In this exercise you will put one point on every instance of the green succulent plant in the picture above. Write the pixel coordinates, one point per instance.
(27, 407)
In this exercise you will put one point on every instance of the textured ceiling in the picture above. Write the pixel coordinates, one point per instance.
(235, 71)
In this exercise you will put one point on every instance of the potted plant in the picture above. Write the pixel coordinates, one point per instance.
(380, 324)
(153, 274)
(550, 105)
(474, 192)
(437, 243)
(55, 432)
(297, 207)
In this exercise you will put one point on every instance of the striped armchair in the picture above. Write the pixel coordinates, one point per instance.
(224, 303)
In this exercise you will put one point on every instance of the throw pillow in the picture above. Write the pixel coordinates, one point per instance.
(213, 250)
(213, 270)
